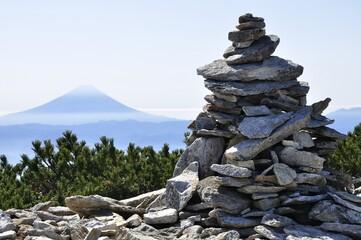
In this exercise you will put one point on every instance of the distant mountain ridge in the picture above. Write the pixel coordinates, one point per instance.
(346, 119)
(90, 114)
(84, 104)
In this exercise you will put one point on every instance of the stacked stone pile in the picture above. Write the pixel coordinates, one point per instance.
(253, 168)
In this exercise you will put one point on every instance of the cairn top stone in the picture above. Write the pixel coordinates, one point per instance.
(248, 17)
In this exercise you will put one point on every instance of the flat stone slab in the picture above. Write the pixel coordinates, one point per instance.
(270, 69)
(295, 158)
(328, 132)
(233, 182)
(259, 50)
(350, 230)
(262, 127)
(250, 189)
(269, 233)
(247, 89)
(274, 220)
(231, 170)
(248, 149)
(349, 197)
(312, 232)
(214, 133)
(246, 35)
(254, 111)
(303, 199)
(165, 216)
(310, 178)
(345, 203)
(326, 211)
(251, 25)
(230, 221)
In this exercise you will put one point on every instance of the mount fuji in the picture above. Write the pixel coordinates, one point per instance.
(90, 114)
(85, 104)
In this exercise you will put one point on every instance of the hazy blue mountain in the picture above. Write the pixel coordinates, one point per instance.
(85, 104)
(345, 119)
(90, 114)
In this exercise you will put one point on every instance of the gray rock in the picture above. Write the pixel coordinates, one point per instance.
(259, 196)
(8, 235)
(206, 151)
(278, 104)
(300, 200)
(250, 25)
(248, 17)
(212, 107)
(310, 178)
(47, 233)
(319, 123)
(295, 158)
(349, 197)
(250, 189)
(60, 211)
(253, 111)
(244, 164)
(192, 232)
(304, 139)
(231, 170)
(320, 106)
(226, 97)
(259, 50)
(246, 35)
(5, 223)
(205, 121)
(250, 148)
(284, 174)
(159, 203)
(42, 206)
(233, 182)
(262, 127)
(85, 205)
(223, 118)
(165, 216)
(289, 143)
(215, 133)
(246, 89)
(312, 231)
(229, 235)
(326, 144)
(180, 188)
(271, 69)
(350, 230)
(274, 220)
(142, 200)
(211, 192)
(267, 203)
(133, 221)
(230, 221)
(93, 234)
(269, 233)
(242, 44)
(328, 132)
(345, 203)
(219, 102)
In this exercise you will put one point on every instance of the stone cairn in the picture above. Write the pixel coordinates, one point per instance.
(253, 168)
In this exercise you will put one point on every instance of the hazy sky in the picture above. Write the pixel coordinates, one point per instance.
(145, 53)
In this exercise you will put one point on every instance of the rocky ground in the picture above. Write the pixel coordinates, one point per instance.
(253, 168)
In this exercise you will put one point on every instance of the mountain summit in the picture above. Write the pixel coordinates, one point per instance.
(85, 104)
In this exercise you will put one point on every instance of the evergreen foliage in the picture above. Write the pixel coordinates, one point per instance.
(72, 168)
(347, 157)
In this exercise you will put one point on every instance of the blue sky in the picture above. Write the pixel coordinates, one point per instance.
(145, 53)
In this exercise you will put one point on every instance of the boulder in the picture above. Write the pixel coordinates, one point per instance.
(206, 151)
(259, 50)
(180, 188)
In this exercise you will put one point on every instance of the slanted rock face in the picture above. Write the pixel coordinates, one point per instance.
(254, 164)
